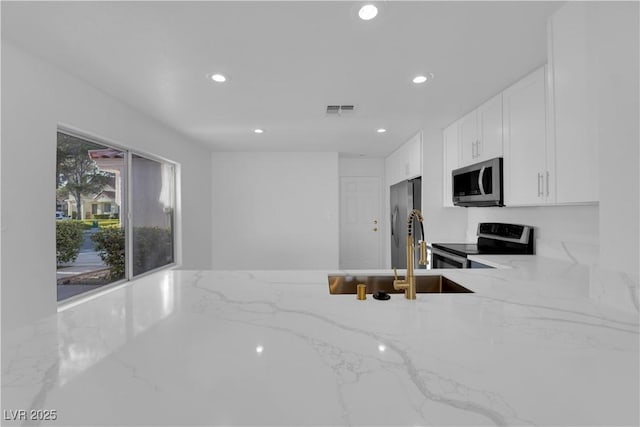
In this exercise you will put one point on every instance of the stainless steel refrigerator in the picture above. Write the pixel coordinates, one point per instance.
(405, 195)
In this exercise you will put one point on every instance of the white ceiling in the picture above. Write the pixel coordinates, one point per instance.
(287, 61)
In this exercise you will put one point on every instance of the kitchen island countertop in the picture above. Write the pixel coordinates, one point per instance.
(528, 347)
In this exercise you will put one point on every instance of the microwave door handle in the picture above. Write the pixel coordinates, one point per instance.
(480, 178)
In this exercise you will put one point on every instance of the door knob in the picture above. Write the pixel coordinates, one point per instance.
(375, 221)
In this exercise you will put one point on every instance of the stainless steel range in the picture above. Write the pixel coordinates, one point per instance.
(493, 238)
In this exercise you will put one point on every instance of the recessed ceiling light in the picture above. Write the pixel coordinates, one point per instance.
(367, 12)
(422, 78)
(381, 130)
(258, 131)
(218, 78)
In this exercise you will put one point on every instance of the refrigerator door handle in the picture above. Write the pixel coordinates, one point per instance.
(394, 221)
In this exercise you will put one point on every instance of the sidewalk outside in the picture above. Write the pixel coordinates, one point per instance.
(87, 272)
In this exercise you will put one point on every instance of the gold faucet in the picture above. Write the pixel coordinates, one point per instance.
(408, 284)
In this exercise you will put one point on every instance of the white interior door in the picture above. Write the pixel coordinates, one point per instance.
(360, 225)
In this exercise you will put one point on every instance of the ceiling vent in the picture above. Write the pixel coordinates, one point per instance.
(339, 110)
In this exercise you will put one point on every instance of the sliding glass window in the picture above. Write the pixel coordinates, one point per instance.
(152, 206)
(114, 214)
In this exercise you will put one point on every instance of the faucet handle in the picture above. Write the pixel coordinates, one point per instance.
(423, 253)
(395, 273)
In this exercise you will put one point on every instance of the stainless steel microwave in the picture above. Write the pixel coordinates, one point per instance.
(479, 184)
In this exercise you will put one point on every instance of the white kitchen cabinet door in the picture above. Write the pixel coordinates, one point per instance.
(468, 128)
(450, 162)
(414, 168)
(481, 135)
(490, 139)
(572, 101)
(406, 162)
(526, 177)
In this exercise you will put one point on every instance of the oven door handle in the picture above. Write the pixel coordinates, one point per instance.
(445, 254)
(480, 178)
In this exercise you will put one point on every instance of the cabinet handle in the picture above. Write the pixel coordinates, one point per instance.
(539, 192)
(478, 148)
(547, 183)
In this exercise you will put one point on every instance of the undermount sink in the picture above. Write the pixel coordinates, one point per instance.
(436, 284)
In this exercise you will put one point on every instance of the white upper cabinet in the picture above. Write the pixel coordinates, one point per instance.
(571, 53)
(481, 132)
(406, 162)
(451, 161)
(490, 132)
(527, 164)
(468, 128)
(547, 124)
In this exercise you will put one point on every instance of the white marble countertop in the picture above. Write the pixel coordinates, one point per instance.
(274, 348)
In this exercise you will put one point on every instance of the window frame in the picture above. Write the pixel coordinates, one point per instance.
(125, 215)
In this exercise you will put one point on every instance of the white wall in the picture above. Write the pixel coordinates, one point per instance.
(361, 167)
(275, 210)
(617, 90)
(36, 98)
(615, 279)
